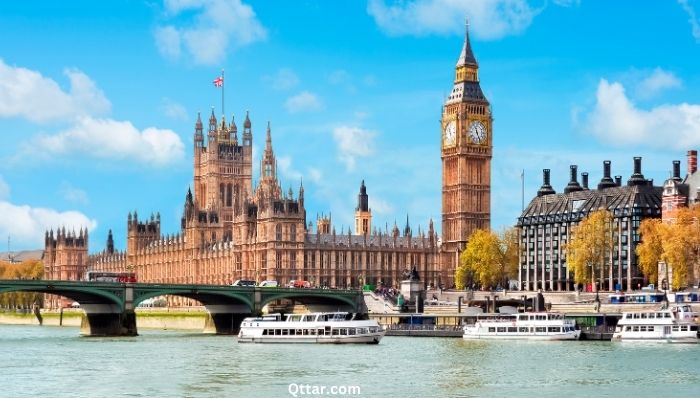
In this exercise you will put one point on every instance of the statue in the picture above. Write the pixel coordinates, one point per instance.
(414, 274)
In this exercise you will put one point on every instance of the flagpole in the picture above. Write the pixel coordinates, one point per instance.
(223, 84)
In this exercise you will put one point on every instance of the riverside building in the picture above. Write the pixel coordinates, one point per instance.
(545, 228)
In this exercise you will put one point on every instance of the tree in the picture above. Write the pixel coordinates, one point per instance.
(30, 269)
(650, 249)
(677, 244)
(592, 242)
(488, 259)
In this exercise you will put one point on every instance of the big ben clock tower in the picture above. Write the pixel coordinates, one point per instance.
(467, 143)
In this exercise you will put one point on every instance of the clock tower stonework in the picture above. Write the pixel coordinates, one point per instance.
(467, 144)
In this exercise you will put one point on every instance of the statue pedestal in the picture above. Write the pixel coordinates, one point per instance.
(411, 289)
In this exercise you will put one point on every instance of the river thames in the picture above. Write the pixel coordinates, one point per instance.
(57, 362)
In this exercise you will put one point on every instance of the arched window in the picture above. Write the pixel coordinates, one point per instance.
(278, 232)
(221, 192)
(229, 194)
(293, 233)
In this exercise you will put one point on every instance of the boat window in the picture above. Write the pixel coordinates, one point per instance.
(684, 328)
(300, 332)
(554, 329)
(351, 331)
(675, 328)
(650, 328)
(523, 330)
(264, 332)
(628, 328)
(522, 317)
(628, 316)
(540, 329)
(512, 330)
(667, 315)
(642, 328)
(293, 318)
(541, 317)
(636, 316)
(643, 315)
(693, 328)
(492, 330)
(343, 332)
(501, 330)
(635, 328)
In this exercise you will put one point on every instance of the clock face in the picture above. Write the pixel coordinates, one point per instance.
(450, 133)
(477, 132)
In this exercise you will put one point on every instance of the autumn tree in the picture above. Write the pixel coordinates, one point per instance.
(650, 249)
(676, 243)
(590, 247)
(488, 259)
(30, 269)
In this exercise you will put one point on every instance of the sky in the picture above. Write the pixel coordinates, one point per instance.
(98, 100)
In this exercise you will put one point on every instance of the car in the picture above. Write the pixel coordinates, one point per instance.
(269, 283)
(244, 283)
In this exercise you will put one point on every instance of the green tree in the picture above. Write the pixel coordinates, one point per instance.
(590, 247)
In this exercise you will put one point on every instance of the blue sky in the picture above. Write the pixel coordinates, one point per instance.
(98, 100)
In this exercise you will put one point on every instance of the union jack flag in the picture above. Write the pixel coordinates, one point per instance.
(219, 81)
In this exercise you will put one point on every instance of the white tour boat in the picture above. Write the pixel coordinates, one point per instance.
(676, 324)
(529, 326)
(319, 327)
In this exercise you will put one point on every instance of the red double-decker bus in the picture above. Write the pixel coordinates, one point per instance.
(121, 277)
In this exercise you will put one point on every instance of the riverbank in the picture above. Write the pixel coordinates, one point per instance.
(150, 318)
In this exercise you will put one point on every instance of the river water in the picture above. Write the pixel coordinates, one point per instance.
(57, 362)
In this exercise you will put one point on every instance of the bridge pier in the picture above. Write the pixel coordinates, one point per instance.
(223, 323)
(109, 324)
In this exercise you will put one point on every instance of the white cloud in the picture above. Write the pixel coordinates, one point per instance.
(658, 81)
(315, 175)
(692, 18)
(284, 79)
(111, 139)
(353, 142)
(172, 109)
(489, 19)
(567, 3)
(73, 194)
(26, 93)
(303, 102)
(215, 27)
(380, 206)
(616, 120)
(26, 225)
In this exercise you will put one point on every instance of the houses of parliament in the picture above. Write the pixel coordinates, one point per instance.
(232, 230)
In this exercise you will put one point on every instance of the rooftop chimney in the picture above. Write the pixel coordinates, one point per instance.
(546, 188)
(606, 181)
(676, 170)
(618, 181)
(692, 161)
(573, 185)
(584, 180)
(637, 178)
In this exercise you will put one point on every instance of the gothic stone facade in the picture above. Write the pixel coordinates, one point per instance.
(232, 230)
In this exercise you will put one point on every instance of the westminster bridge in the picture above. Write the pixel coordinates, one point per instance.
(109, 306)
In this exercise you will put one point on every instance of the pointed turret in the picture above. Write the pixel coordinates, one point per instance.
(247, 131)
(198, 135)
(110, 242)
(407, 228)
(234, 130)
(466, 57)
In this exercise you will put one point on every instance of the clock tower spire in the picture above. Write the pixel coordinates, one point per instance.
(467, 145)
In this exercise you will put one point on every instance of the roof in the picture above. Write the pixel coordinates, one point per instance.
(466, 90)
(23, 255)
(643, 200)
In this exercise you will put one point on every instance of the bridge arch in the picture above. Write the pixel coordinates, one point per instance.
(82, 294)
(208, 298)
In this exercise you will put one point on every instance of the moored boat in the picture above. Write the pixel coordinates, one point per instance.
(676, 324)
(528, 326)
(319, 327)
